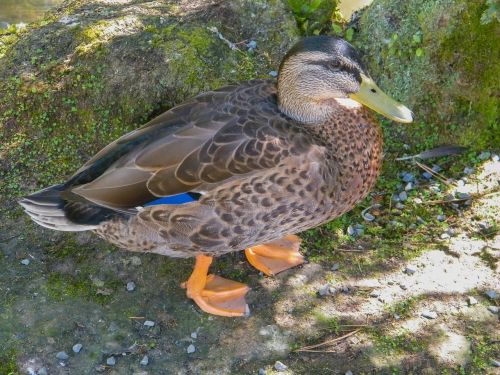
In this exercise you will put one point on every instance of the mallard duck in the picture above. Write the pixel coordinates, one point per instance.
(244, 167)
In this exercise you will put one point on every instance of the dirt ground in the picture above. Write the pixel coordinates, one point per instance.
(432, 312)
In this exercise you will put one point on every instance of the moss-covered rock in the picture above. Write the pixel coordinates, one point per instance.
(442, 58)
(93, 70)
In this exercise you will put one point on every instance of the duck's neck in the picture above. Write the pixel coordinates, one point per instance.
(300, 107)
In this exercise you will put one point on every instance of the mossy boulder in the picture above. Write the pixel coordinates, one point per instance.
(442, 59)
(93, 70)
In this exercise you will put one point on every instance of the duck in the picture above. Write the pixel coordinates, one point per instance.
(242, 168)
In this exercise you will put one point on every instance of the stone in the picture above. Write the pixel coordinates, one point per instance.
(262, 371)
(149, 323)
(280, 366)
(410, 270)
(77, 348)
(144, 361)
(427, 175)
(130, 286)
(408, 177)
(335, 267)
(409, 186)
(403, 196)
(191, 349)
(441, 218)
(62, 356)
(491, 294)
(493, 309)
(484, 155)
(472, 301)
(111, 361)
(429, 314)
(25, 262)
(42, 371)
(453, 349)
(194, 335)
(495, 363)
(468, 170)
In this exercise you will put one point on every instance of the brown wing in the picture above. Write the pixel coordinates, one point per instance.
(216, 136)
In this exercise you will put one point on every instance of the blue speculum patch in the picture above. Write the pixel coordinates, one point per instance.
(175, 199)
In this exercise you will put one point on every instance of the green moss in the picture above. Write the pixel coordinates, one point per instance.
(439, 59)
(63, 286)
(8, 363)
(401, 342)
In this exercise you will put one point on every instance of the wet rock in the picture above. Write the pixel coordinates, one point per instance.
(144, 361)
(191, 349)
(62, 356)
(494, 309)
(471, 301)
(429, 314)
(77, 348)
(280, 366)
(130, 286)
(111, 361)
(25, 262)
(149, 323)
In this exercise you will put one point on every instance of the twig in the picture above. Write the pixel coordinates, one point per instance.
(439, 176)
(328, 342)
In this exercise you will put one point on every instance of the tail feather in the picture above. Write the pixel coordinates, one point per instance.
(48, 208)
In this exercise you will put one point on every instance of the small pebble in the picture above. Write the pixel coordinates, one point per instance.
(111, 361)
(468, 170)
(273, 73)
(252, 45)
(262, 371)
(427, 175)
(494, 309)
(495, 158)
(436, 168)
(460, 183)
(62, 356)
(429, 314)
(77, 348)
(484, 155)
(445, 236)
(441, 218)
(417, 200)
(335, 267)
(395, 198)
(410, 270)
(149, 323)
(400, 206)
(368, 216)
(144, 361)
(191, 349)
(25, 262)
(412, 226)
(408, 177)
(374, 294)
(280, 366)
(350, 230)
(495, 363)
(472, 301)
(194, 335)
(409, 186)
(348, 372)
(326, 290)
(403, 286)
(403, 196)
(42, 371)
(491, 294)
(130, 286)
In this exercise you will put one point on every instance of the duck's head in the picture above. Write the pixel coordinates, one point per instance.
(322, 71)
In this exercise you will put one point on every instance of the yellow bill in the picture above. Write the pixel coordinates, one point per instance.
(370, 95)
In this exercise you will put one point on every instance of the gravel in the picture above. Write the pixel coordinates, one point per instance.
(494, 309)
(130, 286)
(191, 349)
(403, 196)
(62, 356)
(429, 314)
(441, 218)
(472, 301)
(144, 361)
(149, 323)
(42, 371)
(111, 361)
(491, 294)
(194, 335)
(25, 262)
(273, 73)
(77, 348)
(410, 270)
(408, 177)
(409, 186)
(280, 366)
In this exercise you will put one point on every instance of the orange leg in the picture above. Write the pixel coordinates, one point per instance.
(214, 294)
(274, 257)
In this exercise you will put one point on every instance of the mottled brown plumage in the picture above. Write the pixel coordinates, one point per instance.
(267, 159)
